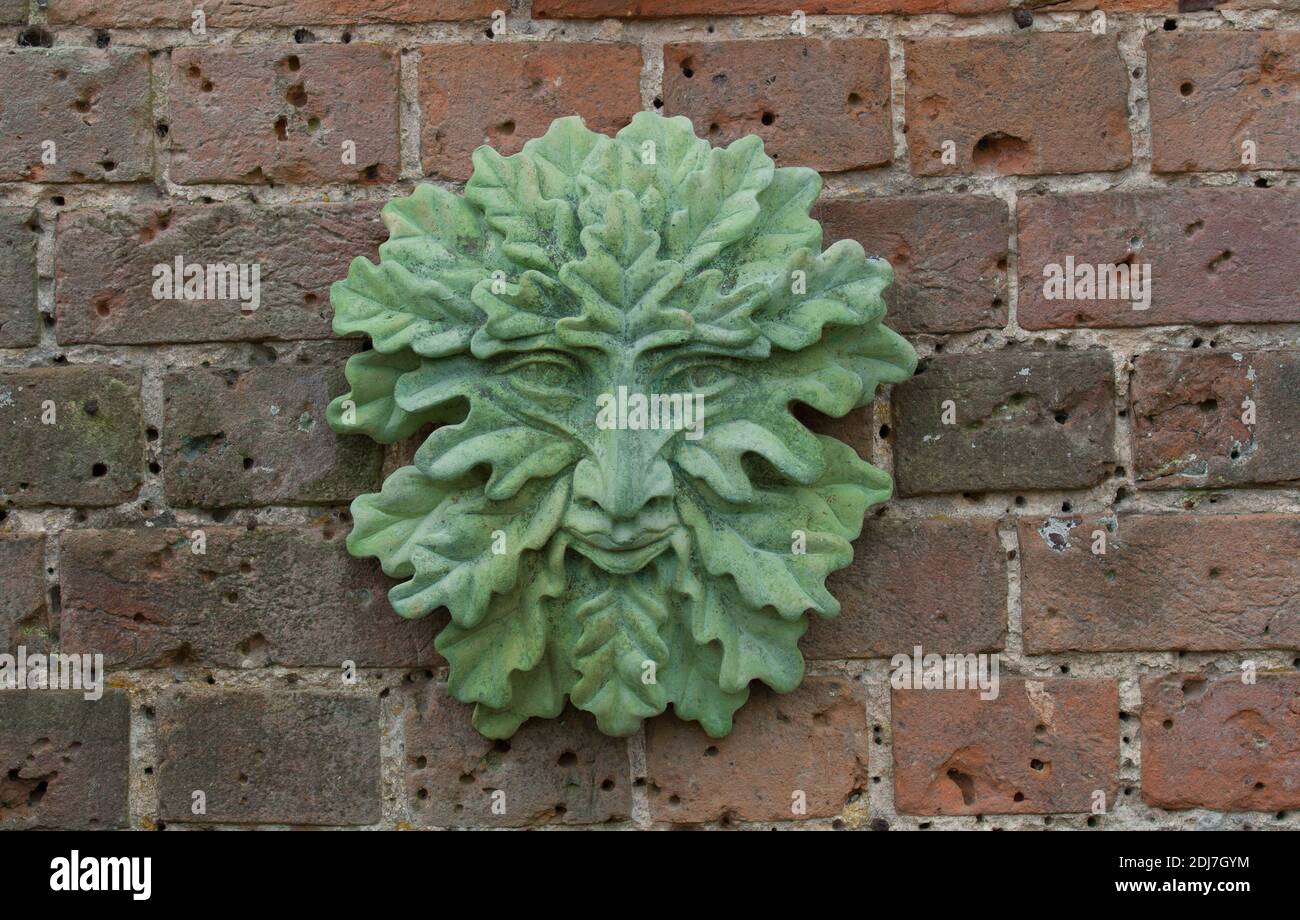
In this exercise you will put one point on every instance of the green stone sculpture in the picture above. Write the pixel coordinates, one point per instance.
(586, 551)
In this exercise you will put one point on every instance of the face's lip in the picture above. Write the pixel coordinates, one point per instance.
(601, 541)
(621, 558)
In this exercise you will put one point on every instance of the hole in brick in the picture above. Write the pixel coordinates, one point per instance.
(151, 433)
(1171, 24)
(161, 129)
(1061, 417)
(108, 165)
(1036, 764)
(964, 783)
(296, 95)
(155, 467)
(292, 62)
(35, 37)
(346, 38)
(1261, 182)
(1186, 88)
(303, 36)
(282, 128)
(1259, 786)
(688, 68)
(501, 746)
(422, 793)
(567, 759)
(99, 469)
(1002, 153)
(884, 431)
(767, 118)
(1018, 797)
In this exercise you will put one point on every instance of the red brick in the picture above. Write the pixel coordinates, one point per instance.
(105, 260)
(94, 106)
(23, 618)
(1216, 255)
(1040, 747)
(814, 741)
(552, 771)
(143, 14)
(1030, 420)
(1188, 425)
(949, 254)
(1211, 91)
(270, 596)
(504, 94)
(19, 319)
(1220, 743)
(91, 454)
(814, 102)
(64, 760)
(648, 9)
(959, 606)
(1200, 582)
(236, 439)
(1002, 101)
(282, 113)
(269, 757)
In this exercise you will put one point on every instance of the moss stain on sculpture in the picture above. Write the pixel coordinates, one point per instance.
(622, 569)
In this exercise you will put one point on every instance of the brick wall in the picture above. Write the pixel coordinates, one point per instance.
(1121, 672)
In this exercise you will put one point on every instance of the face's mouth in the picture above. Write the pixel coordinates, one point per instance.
(621, 557)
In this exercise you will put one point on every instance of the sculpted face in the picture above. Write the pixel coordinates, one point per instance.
(618, 506)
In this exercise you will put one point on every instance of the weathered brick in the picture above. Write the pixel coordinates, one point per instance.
(1200, 582)
(949, 254)
(19, 319)
(1220, 743)
(1213, 91)
(269, 757)
(234, 439)
(814, 102)
(284, 113)
(271, 596)
(1023, 421)
(554, 771)
(142, 14)
(105, 269)
(1002, 101)
(1215, 255)
(23, 618)
(91, 452)
(597, 9)
(93, 105)
(1189, 418)
(505, 94)
(814, 741)
(1039, 747)
(64, 759)
(959, 606)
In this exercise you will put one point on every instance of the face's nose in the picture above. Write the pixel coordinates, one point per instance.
(625, 475)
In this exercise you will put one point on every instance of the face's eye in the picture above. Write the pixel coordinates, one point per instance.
(701, 379)
(542, 374)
